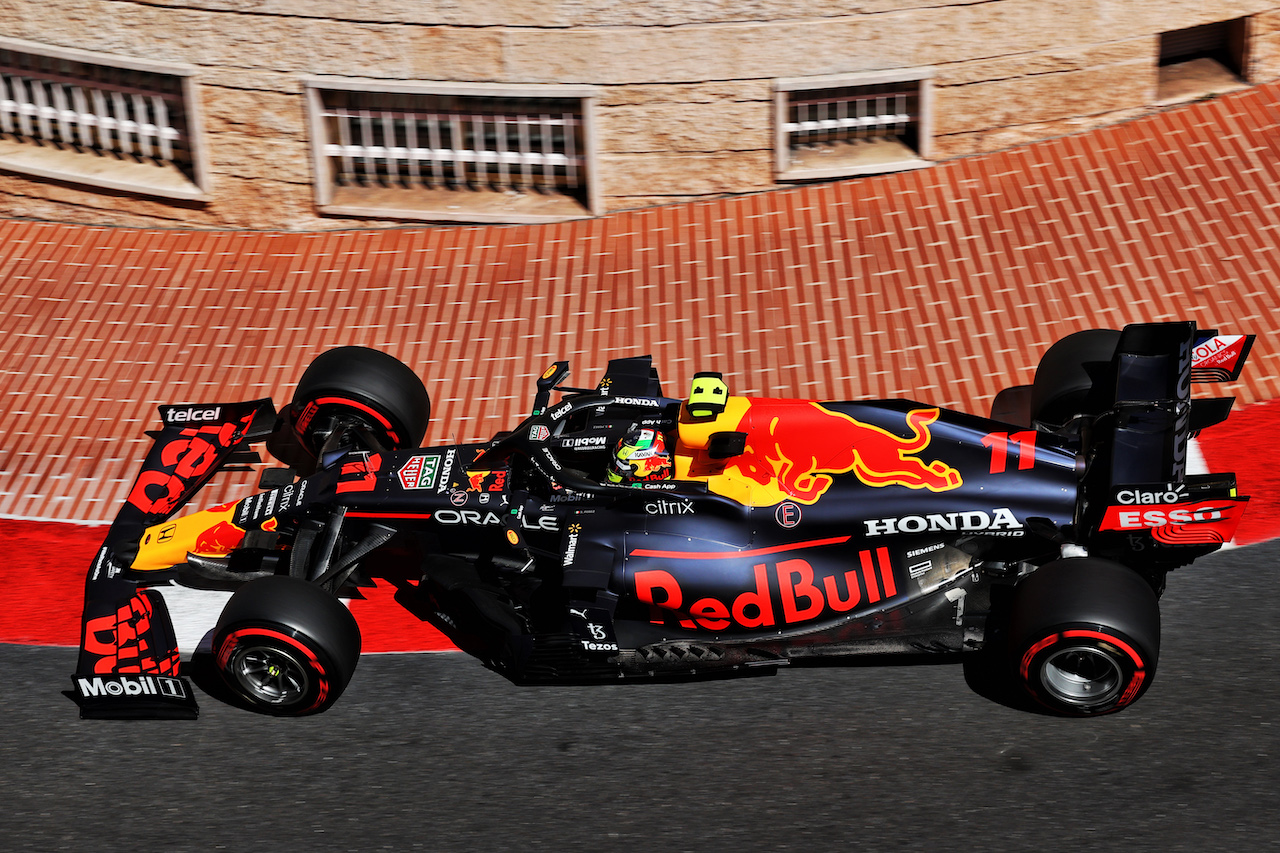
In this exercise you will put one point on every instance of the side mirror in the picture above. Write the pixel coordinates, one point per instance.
(550, 378)
(274, 478)
(726, 445)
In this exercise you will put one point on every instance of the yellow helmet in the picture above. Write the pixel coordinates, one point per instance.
(641, 456)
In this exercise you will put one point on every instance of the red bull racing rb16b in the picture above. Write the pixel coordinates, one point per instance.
(617, 533)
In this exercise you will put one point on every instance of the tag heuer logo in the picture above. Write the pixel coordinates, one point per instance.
(419, 473)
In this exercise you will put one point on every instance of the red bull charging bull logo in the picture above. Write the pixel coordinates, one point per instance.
(794, 448)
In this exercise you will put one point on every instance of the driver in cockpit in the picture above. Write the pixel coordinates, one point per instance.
(640, 457)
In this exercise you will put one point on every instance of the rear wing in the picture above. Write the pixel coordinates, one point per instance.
(1138, 486)
(128, 663)
(1152, 416)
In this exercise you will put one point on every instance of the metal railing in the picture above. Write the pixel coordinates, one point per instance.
(89, 114)
(493, 146)
(849, 113)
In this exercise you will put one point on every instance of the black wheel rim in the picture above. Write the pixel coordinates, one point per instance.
(269, 675)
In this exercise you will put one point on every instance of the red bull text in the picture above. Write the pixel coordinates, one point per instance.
(786, 592)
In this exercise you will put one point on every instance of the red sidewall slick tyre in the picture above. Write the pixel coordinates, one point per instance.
(286, 647)
(1085, 636)
(373, 386)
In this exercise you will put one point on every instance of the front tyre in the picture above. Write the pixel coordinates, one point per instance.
(286, 647)
(1085, 636)
(352, 390)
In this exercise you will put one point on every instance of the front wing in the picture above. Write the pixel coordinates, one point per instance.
(128, 665)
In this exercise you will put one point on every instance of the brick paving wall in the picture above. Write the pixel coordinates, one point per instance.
(944, 284)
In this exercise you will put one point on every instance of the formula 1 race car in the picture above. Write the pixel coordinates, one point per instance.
(788, 530)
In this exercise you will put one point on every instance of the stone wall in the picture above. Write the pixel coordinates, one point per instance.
(685, 105)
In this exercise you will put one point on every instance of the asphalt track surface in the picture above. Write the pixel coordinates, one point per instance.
(433, 752)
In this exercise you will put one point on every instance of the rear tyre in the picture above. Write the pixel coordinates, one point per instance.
(361, 387)
(1065, 378)
(286, 647)
(1085, 636)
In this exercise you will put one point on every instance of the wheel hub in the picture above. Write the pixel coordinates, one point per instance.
(269, 675)
(1083, 676)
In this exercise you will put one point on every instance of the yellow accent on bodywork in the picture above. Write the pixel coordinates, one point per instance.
(209, 533)
(693, 463)
(708, 396)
